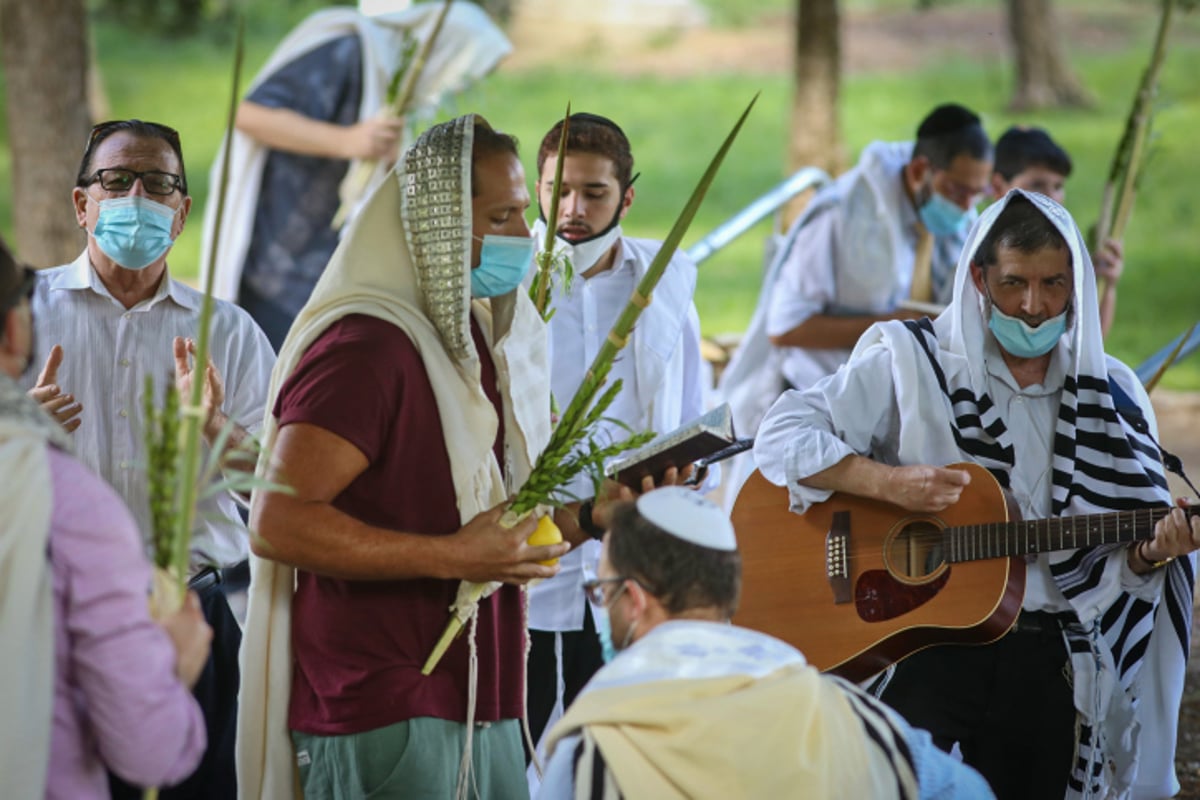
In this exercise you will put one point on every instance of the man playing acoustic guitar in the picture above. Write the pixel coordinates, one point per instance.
(1081, 697)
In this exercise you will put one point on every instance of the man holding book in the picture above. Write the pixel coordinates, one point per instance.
(661, 369)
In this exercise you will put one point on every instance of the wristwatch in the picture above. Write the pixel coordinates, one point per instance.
(586, 523)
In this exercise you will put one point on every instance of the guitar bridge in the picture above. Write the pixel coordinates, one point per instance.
(837, 558)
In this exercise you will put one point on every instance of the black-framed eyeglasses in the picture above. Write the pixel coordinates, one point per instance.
(120, 179)
(103, 130)
(594, 590)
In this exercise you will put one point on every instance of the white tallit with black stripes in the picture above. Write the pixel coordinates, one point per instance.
(1129, 652)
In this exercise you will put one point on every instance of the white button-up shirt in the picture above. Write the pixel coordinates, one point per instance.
(581, 322)
(108, 353)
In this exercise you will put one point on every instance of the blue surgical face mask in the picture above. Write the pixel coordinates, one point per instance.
(942, 217)
(503, 262)
(608, 650)
(1018, 338)
(134, 231)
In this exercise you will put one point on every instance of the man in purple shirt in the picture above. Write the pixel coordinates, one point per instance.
(89, 681)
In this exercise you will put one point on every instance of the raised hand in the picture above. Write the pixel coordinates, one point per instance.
(1109, 261)
(213, 395)
(50, 396)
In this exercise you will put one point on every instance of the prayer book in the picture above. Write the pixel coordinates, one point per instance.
(702, 441)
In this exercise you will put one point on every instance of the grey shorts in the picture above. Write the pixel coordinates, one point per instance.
(418, 758)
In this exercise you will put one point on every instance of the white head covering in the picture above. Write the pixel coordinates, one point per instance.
(375, 7)
(406, 260)
(965, 316)
(686, 515)
(1131, 644)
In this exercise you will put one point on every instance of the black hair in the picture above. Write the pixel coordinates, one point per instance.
(140, 129)
(1020, 226)
(591, 133)
(681, 575)
(1020, 148)
(949, 131)
(488, 142)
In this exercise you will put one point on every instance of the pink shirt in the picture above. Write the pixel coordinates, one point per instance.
(117, 701)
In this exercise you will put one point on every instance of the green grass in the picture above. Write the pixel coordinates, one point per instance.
(675, 126)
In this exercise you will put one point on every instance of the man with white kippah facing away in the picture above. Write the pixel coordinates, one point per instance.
(692, 706)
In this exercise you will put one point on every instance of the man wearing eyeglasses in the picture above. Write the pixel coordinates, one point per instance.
(692, 706)
(115, 318)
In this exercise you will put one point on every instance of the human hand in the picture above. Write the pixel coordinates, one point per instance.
(483, 550)
(213, 396)
(192, 638)
(1174, 535)
(1109, 261)
(375, 139)
(611, 494)
(49, 395)
(924, 488)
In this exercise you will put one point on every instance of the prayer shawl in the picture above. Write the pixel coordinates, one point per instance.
(468, 47)
(405, 259)
(872, 272)
(705, 709)
(26, 590)
(1128, 653)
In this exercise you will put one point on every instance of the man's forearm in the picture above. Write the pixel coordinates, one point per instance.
(284, 129)
(854, 474)
(827, 332)
(316, 537)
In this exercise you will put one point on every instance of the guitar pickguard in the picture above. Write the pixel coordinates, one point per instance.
(878, 596)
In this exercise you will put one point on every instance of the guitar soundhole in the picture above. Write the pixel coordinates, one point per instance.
(915, 551)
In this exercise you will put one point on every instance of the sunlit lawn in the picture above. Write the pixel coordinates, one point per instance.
(675, 125)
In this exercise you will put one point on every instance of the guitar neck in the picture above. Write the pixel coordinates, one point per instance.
(1024, 537)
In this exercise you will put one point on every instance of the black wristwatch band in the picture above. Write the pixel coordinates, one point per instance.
(586, 523)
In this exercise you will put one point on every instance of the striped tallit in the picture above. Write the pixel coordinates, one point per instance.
(1128, 653)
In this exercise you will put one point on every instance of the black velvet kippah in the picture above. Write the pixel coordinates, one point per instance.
(946, 118)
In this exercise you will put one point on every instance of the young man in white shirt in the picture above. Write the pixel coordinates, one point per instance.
(661, 369)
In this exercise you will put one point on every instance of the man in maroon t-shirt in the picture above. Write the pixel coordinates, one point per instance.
(370, 439)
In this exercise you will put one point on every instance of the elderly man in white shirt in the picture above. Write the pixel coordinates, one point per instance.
(661, 369)
(115, 317)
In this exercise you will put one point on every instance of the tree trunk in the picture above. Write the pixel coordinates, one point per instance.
(1044, 78)
(815, 139)
(44, 51)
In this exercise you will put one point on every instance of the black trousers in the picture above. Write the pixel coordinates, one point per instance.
(216, 692)
(581, 660)
(1009, 705)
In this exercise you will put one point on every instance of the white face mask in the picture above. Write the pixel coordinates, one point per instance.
(584, 255)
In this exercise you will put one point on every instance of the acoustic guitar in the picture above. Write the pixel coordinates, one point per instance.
(857, 584)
